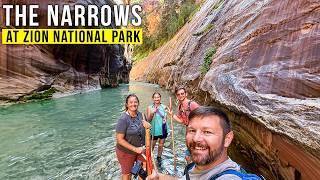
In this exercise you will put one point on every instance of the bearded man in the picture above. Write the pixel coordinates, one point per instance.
(208, 137)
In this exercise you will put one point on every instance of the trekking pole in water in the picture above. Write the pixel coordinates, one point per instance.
(153, 129)
(148, 150)
(172, 135)
(154, 163)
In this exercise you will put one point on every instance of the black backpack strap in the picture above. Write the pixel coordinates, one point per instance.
(187, 169)
(189, 104)
(179, 109)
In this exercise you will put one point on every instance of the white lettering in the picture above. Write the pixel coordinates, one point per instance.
(137, 21)
(66, 16)
(53, 15)
(121, 15)
(93, 15)
(33, 15)
(79, 12)
(7, 8)
(21, 15)
(106, 19)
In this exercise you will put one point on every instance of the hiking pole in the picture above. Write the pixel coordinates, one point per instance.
(152, 155)
(154, 163)
(172, 135)
(152, 138)
(148, 150)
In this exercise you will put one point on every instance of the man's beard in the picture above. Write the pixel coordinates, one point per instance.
(210, 157)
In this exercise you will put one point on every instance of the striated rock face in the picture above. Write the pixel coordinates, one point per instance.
(27, 69)
(265, 72)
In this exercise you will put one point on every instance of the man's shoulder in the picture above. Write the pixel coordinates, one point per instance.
(223, 177)
(193, 105)
(228, 177)
(219, 172)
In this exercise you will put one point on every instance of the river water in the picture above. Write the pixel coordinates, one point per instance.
(74, 137)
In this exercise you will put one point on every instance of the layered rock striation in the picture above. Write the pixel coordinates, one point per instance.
(265, 72)
(26, 70)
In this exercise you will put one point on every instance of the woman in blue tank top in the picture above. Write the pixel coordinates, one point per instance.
(157, 115)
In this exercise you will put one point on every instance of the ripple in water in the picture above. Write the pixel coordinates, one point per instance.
(74, 137)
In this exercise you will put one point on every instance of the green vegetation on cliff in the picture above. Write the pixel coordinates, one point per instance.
(40, 95)
(36, 95)
(207, 60)
(173, 16)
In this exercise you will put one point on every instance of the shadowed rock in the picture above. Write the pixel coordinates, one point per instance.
(26, 69)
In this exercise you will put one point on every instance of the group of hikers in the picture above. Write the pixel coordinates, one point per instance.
(208, 136)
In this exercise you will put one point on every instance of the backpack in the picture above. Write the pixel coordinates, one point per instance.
(242, 174)
(186, 112)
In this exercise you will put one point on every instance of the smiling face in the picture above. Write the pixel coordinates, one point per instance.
(181, 95)
(206, 141)
(156, 98)
(132, 104)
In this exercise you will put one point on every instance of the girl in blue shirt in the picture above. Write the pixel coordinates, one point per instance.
(157, 115)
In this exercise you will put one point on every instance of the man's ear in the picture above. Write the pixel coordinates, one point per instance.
(228, 139)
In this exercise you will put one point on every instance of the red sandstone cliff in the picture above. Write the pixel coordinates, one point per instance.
(265, 72)
(26, 70)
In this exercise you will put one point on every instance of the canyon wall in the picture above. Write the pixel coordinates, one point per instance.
(259, 60)
(30, 71)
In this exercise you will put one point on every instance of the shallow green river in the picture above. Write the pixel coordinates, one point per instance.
(73, 137)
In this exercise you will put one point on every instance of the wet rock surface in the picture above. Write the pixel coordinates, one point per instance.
(28, 69)
(266, 70)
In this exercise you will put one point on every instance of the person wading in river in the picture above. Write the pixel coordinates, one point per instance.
(208, 137)
(157, 115)
(130, 136)
(185, 106)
